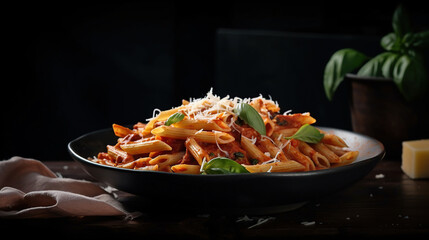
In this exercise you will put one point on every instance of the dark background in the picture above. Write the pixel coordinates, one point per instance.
(72, 68)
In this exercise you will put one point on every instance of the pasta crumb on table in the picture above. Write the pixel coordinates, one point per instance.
(249, 131)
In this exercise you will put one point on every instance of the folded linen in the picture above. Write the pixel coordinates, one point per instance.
(28, 189)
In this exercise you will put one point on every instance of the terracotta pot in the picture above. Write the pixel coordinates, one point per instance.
(379, 110)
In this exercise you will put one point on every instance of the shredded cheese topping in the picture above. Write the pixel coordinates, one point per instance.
(217, 144)
(210, 106)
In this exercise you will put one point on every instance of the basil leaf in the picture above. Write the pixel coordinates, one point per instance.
(390, 42)
(253, 161)
(307, 133)
(410, 77)
(342, 62)
(389, 65)
(417, 40)
(176, 117)
(250, 116)
(401, 22)
(422, 39)
(238, 155)
(380, 66)
(221, 165)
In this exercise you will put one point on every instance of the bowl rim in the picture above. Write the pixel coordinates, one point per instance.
(378, 157)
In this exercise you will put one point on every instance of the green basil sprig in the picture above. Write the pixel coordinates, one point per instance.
(342, 62)
(307, 133)
(222, 165)
(250, 116)
(402, 60)
(176, 117)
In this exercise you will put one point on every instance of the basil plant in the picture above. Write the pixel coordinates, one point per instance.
(402, 60)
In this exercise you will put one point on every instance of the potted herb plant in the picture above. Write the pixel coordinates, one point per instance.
(388, 97)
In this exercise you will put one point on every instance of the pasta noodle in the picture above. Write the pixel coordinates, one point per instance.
(217, 125)
(319, 160)
(196, 150)
(145, 147)
(253, 151)
(287, 166)
(186, 138)
(182, 133)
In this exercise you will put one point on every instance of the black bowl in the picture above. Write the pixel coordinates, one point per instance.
(256, 192)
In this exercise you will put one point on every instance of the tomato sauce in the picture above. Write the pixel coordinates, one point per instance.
(293, 120)
(249, 132)
(234, 150)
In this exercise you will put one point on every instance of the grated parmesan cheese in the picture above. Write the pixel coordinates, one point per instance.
(305, 223)
(263, 136)
(202, 164)
(252, 140)
(379, 176)
(155, 113)
(287, 112)
(199, 131)
(274, 160)
(208, 107)
(218, 146)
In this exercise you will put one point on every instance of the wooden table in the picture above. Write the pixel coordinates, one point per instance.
(385, 203)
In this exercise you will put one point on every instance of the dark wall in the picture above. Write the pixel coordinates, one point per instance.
(288, 67)
(72, 67)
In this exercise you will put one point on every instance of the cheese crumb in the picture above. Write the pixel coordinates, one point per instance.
(245, 218)
(379, 176)
(261, 221)
(308, 223)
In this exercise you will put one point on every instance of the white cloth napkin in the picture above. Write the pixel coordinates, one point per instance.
(28, 189)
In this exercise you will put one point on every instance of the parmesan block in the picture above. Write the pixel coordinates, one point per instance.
(415, 158)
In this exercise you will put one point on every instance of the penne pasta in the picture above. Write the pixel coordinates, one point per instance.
(129, 165)
(145, 147)
(119, 155)
(204, 136)
(285, 132)
(347, 158)
(269, 126)
(275, 152)
(167, 160)
(325, 151)
(257, 104)
(319, 160)
(337, 150)
(293, 120)
(196, 150)
(234, 132)
(199, 124)
(149, 168)
(121, 131)
(293, 153)
(287, 166)
(253, 151)
(332, 139)
(142, 162)
(186, 169)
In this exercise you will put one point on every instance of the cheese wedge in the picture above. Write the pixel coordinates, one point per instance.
(415, 158)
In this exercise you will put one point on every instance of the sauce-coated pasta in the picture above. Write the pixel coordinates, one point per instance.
(184, 138)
